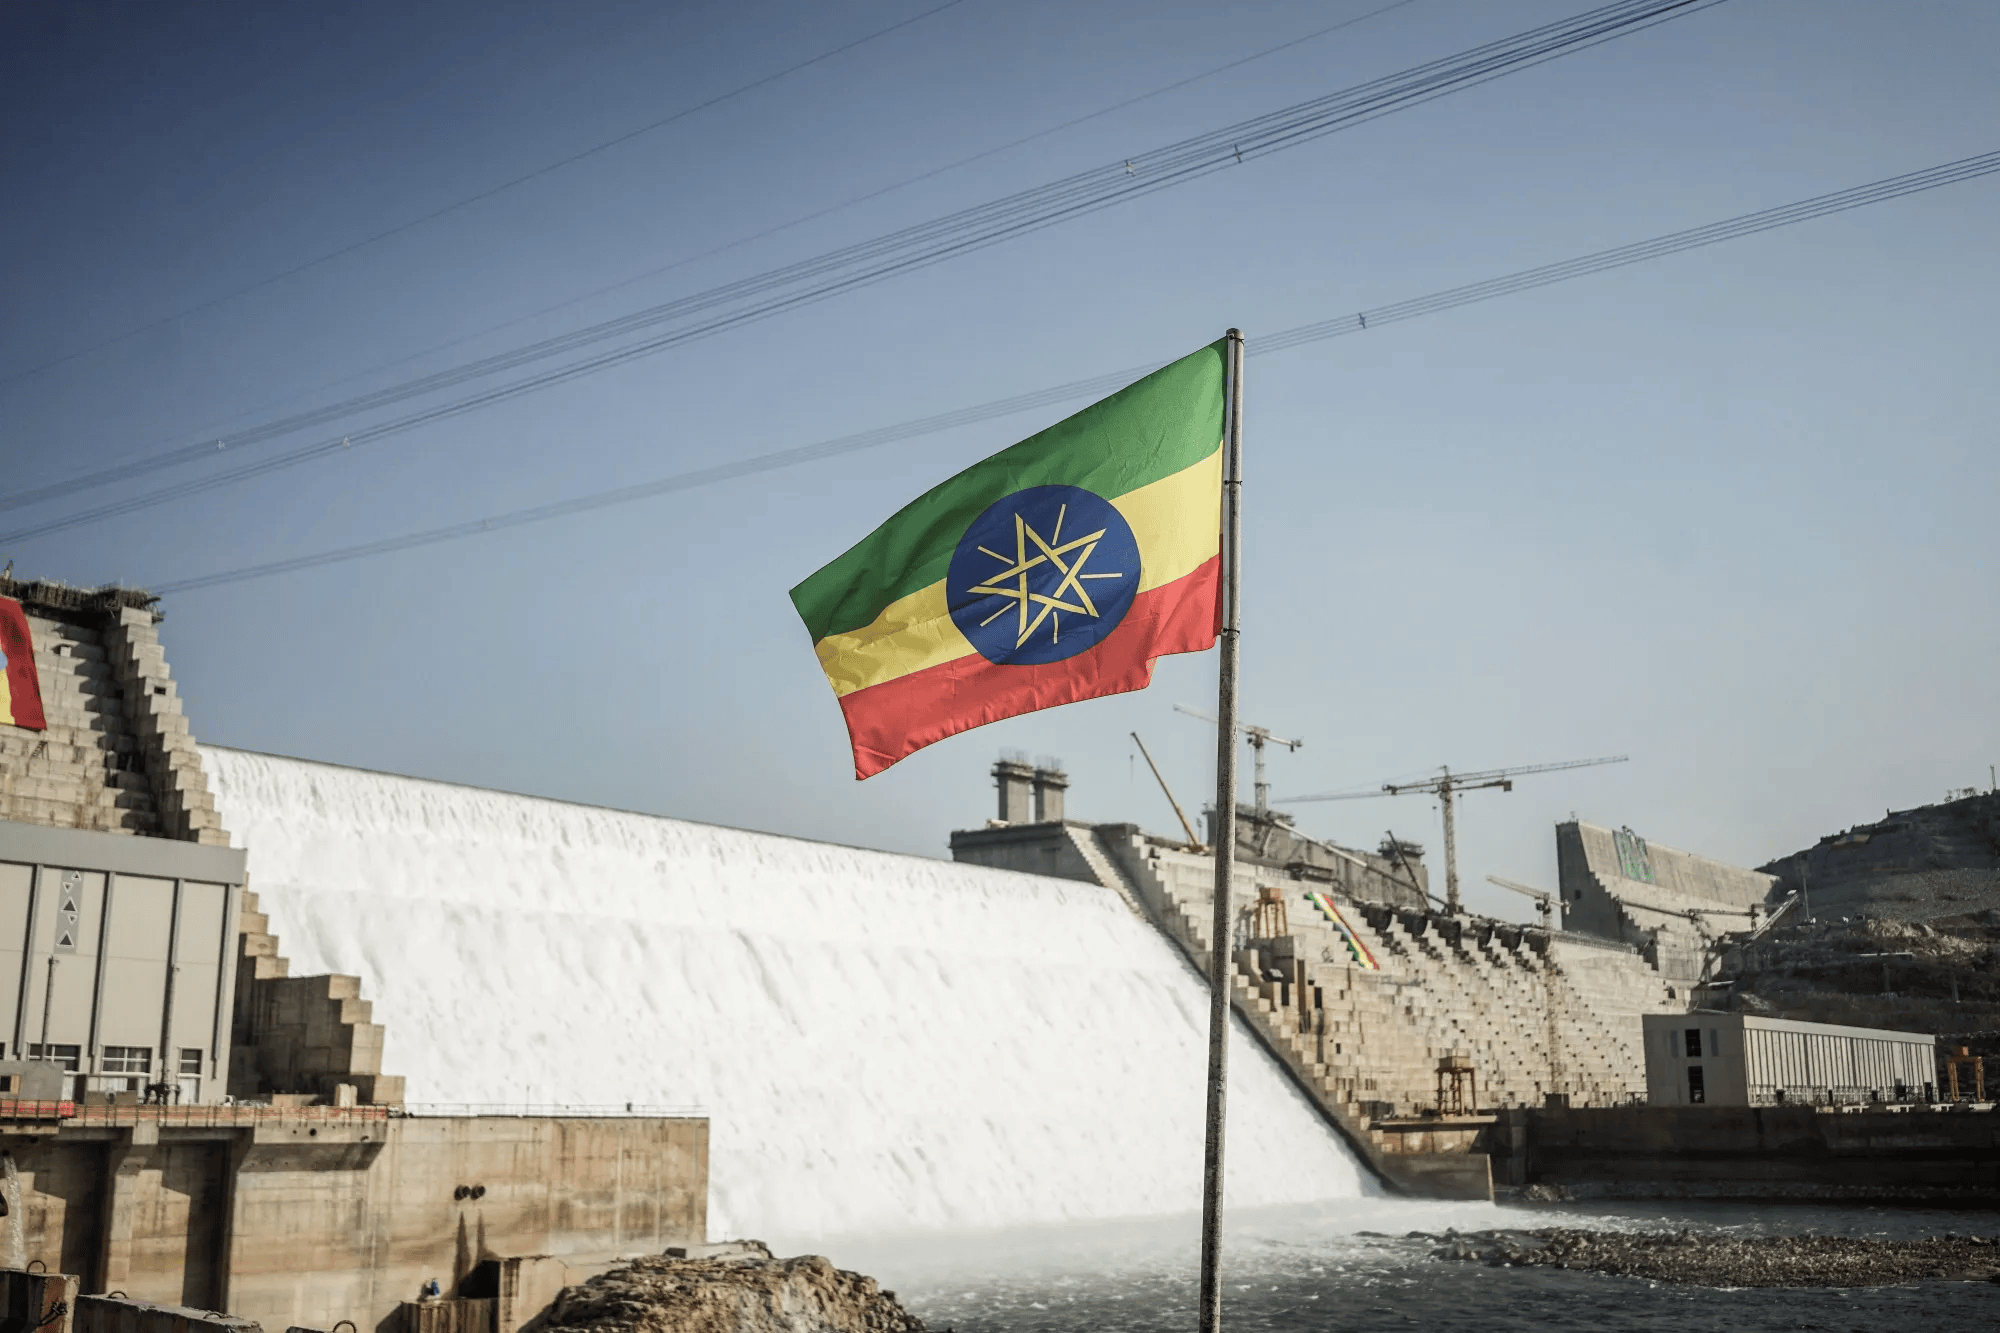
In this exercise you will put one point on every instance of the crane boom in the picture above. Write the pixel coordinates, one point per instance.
(1542, 894)
(1446, 786)
(1258, 737)
(1496, 776)
(1194, 843)
(1544, 901)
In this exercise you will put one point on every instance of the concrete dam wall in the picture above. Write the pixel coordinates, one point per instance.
(884, 1043)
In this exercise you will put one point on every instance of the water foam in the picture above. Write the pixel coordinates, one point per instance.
(883, 1043)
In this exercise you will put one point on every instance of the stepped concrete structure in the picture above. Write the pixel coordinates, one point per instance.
(1673, 906)
(117, 755)
(1534, 1013)
(1538, 1012)
(1347, 975)
(195, 1128)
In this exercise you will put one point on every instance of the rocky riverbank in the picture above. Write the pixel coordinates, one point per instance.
(1731, 1261)
(746, 1292)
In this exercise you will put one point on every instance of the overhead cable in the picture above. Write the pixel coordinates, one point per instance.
(472, 199)
(813, 280)
(1451, 298)
(70, 485)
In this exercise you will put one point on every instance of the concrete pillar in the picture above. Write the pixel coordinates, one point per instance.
(1015, 780)
(1050, 784)
(225, 1258)
(13, 1241)
(122, 1166)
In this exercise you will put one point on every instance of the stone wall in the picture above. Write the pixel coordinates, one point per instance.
(1730, 1152)
(307, 1218)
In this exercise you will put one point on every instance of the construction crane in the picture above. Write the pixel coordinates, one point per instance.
(1544, 900)
(1194, 844)
(1258, 737)
(1447, 785)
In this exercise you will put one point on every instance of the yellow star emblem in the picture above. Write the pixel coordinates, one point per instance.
(1011, 582)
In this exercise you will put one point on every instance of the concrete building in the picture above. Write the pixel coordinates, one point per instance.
(1670, 905)
(118, 960)
(1719, 1059)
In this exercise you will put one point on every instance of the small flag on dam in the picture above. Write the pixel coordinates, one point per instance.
(1057, 570)
(20, 687)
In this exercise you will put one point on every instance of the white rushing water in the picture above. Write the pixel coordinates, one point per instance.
(883, 1043)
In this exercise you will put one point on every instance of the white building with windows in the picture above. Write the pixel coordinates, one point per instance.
(1722, 1059)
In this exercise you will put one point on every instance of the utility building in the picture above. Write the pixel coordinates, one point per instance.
(1738, 1060)
(117, 960)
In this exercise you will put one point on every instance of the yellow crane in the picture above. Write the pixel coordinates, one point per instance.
(1445, 787)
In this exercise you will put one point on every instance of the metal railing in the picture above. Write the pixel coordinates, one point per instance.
(100, 1114)
(580, 1110)
(190, 1116)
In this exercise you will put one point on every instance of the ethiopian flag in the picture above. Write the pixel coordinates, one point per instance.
(20, 687)
(1054, 571)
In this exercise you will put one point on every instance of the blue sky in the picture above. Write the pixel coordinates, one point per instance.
(1729, 513)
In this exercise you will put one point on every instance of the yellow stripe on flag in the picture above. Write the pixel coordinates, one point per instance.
(1176, 522)
(912, 633)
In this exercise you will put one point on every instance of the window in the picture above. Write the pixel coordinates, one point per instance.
(1715, 1041)
(128, 1059)
(1696, 1092)
(69, 1057)
(191, 1061)
(1694, 1042)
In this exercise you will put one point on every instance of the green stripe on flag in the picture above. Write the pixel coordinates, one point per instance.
(1164, 423)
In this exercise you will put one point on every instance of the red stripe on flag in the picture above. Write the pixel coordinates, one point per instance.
(23, 685)
(895, 719)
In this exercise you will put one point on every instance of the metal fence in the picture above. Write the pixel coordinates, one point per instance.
(590, 1110)
(194, 1117)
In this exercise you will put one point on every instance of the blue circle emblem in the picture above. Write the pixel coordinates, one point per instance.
(1042, 575)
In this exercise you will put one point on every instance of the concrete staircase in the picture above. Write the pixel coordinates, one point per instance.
(1292, 1032)
(1535, 1012)
(117, 755)
(1098, 853)
(301, 1035)
(88, 769)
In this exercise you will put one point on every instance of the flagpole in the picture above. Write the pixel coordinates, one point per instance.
(1219, 965)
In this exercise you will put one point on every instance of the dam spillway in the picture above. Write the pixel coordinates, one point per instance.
(883, 1043)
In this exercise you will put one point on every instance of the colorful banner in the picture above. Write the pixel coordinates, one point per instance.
(1355, 948)
(20, 687)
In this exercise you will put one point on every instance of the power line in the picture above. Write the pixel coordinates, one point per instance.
(1692, 238)
(873, 261)
(122, 471)
(469, 200)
